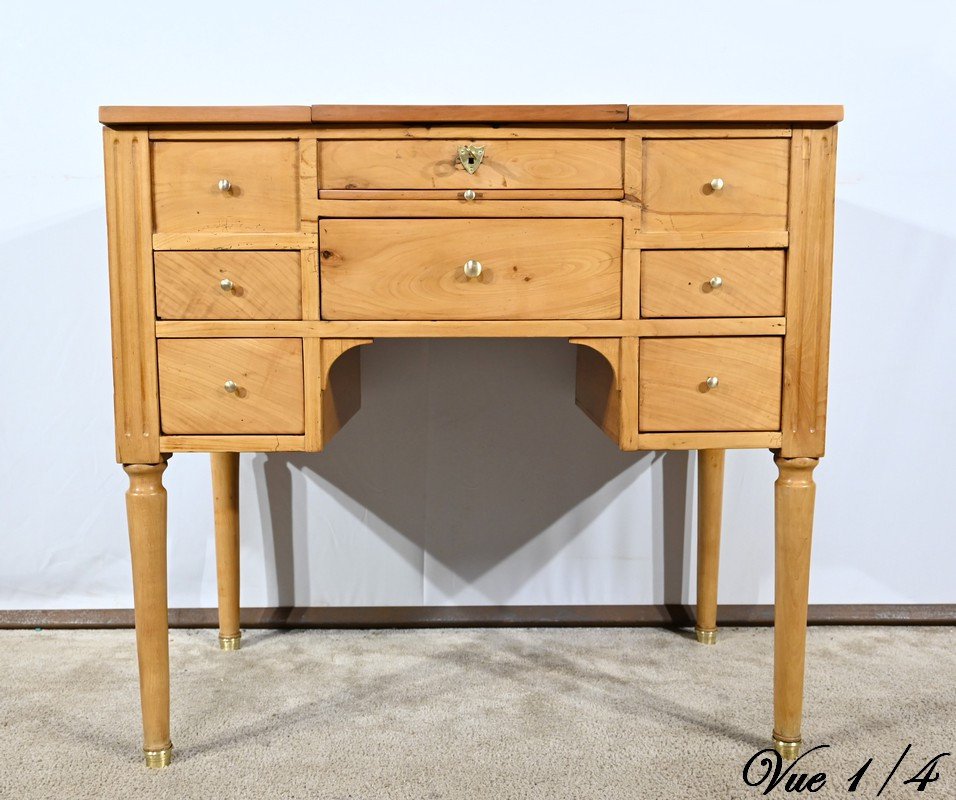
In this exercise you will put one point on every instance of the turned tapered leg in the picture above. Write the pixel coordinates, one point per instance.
(146, 512)
(710, 495)
(793, 495)
(225, 498)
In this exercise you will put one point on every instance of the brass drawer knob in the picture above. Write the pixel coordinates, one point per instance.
(231, 387)
(227, 285)
(712, 382)
(469, 194)
(224, 185)
(717, 184)
(472, 268)
(716, 282)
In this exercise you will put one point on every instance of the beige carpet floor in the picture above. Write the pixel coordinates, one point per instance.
(472, 714)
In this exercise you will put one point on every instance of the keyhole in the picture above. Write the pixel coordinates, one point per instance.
(471, 161)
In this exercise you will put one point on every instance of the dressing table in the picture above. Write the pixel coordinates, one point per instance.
(254, 251)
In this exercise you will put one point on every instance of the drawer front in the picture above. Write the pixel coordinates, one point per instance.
(267, 396)
(228, 285)
(505, 164)
(679, 194)
(262, 193)
(674, 395)
(530, 269)
(712, 283)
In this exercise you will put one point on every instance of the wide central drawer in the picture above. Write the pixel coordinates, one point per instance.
(489, 164)
(448, 269)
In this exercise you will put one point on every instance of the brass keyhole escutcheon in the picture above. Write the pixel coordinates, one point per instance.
(470, 156)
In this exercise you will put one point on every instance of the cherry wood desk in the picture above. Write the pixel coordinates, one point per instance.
(685, 251)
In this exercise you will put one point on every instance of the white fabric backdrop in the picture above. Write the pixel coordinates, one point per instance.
(469, 476)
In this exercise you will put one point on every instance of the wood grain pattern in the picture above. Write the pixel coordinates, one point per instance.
(597, 224)
(312, 392)
(488, 209)
(674, 397)
(597, 388)
(489, 113)
(696, 131)
(710, 497)
(263, 197)
(146, 515)
(132, 307)
(677, 184)
(434, 164)
(630, 283)
(308, 168)
(424, 131)
(225, 504)
(809, 279)
(268, 372)
(693, 240)
(480, 195)
(736, 113)
(677, 283)
(226, 240)
(309, 265)
(341, 383)
(204, 115)
(729, 440)
(531, 269)
(742, 326)
(166, 115)
(267, 285)
(631, 260)
(721, 326)
(232, 444)
(794, 494)
(633, 168)
(630, 375)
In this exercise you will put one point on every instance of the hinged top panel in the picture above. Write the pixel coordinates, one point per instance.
(415, 114)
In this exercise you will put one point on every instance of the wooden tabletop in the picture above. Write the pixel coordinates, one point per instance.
(365, 114)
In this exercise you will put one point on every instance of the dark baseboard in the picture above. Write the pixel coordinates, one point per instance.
(658, 616)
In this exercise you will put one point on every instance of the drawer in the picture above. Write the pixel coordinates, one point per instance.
(712, 283)
(679, 194)
(381, 269)
(505, 164)
(228, 284)
(267, 396)
(674, 395)
(262, 193)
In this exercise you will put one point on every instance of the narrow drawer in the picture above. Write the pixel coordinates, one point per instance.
(712, 283)
(260, 189)
(504, 164)
(194, 396)
(680, 176)
(228, 284)
(675, 396)
(381, 269)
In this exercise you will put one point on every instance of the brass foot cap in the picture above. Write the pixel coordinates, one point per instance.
(706, 637)
(157, 759)
(230, 642)
(788, 750)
